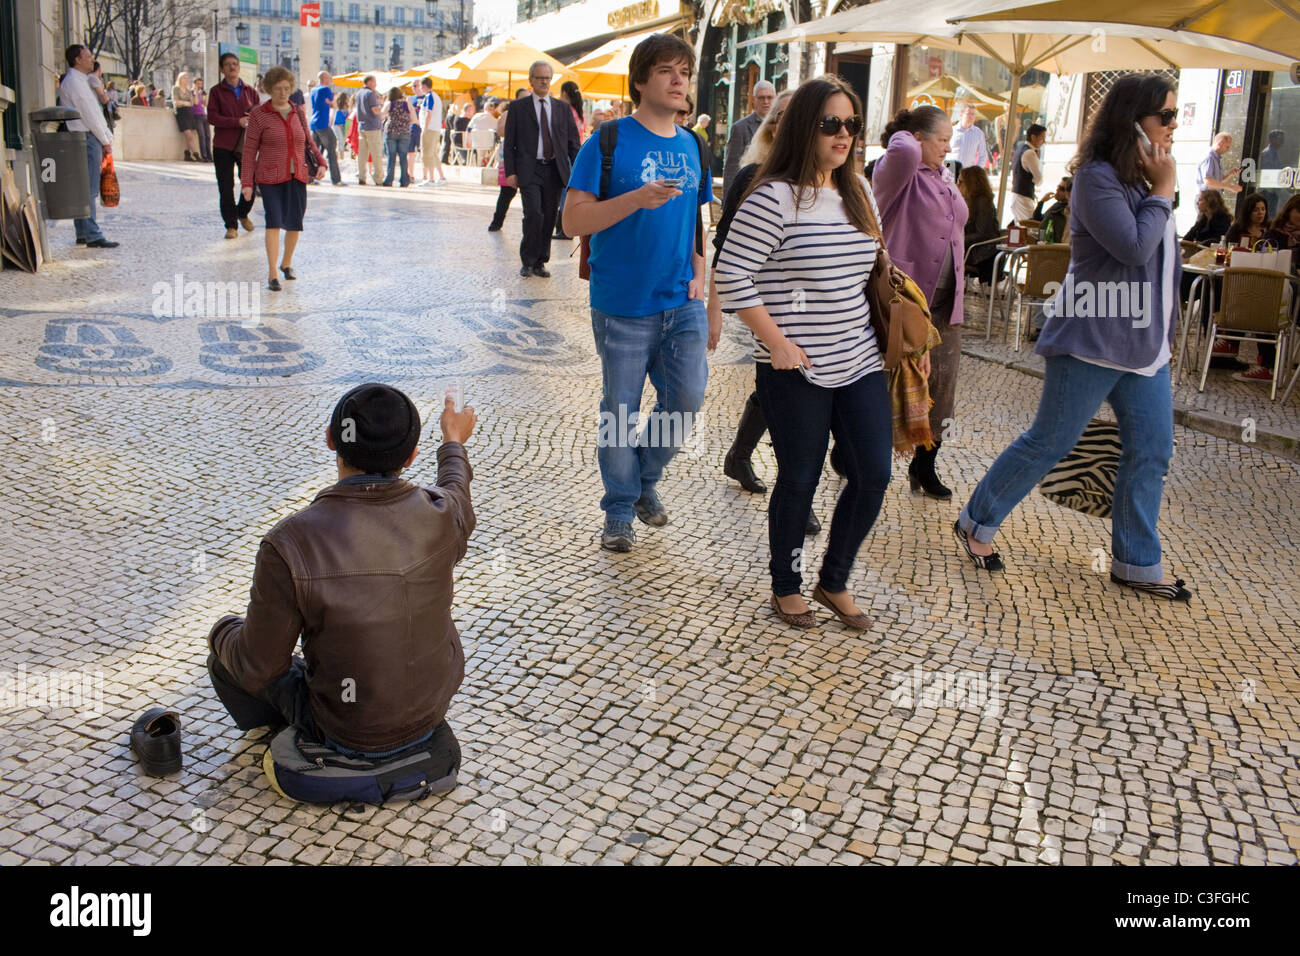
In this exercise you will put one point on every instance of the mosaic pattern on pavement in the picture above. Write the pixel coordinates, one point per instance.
(642, 708)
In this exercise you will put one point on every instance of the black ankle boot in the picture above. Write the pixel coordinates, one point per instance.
(921, 475)
(737, 464)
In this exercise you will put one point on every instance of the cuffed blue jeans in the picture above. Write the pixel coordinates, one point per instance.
(1072, 392)
(88, 229)
(671, 348)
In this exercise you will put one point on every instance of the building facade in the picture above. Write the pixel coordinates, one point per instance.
(353, 36)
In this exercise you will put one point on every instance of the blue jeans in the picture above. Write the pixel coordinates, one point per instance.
(1072, 393)
(670, 347)
(801, 417)
(397, 150)
(88, 229)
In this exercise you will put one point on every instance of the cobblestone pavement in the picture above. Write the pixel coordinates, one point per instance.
(642, 708)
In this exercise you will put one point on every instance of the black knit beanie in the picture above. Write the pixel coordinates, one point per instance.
(375, 427)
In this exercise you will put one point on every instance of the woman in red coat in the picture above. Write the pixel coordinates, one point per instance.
(275, 149)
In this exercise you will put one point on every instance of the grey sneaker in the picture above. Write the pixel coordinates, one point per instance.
(617, 536)
(650, 509)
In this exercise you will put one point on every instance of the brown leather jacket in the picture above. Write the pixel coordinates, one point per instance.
(364, 575)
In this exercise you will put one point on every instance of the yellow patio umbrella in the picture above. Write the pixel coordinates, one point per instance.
(944, 91)
(504, 61)
(446, 76)
(603, 72)
(383, 81)
(1057, 47)
(1272, 25)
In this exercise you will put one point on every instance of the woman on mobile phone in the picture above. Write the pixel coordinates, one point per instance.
(1116, 351)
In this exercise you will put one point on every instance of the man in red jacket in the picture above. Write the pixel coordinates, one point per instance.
(364, 576)
(229, 103)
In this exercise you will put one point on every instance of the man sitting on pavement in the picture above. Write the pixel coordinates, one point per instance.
(364, 576)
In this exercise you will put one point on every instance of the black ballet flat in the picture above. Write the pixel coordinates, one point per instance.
(288, 272)
(988, 562)
(1170, 592)
(273, 285)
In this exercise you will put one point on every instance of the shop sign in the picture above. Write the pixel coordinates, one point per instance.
(309, 15)
(1235, 82)
(634, 13)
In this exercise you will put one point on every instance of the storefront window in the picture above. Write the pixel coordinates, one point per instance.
(1279, 157)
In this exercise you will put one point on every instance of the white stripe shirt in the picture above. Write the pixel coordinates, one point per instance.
(808, 266)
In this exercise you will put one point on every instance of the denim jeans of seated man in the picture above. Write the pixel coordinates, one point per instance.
(671, 348)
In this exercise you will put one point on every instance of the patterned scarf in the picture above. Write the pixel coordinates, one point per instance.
(909, 398)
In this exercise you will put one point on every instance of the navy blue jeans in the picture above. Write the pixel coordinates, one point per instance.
(801, 417)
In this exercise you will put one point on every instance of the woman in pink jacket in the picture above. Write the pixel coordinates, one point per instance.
(924, 220)
(275, 150)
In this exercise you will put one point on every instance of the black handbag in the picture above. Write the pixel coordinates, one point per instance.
(309, 156)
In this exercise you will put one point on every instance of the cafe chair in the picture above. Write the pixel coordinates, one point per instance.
(1044, 264)
(482, 143)
(1251, 310)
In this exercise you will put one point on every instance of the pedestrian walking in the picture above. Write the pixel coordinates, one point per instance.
(339, 121)
(792, 267)
(541, 143)
(743, 130)
(183, 106)
(370, 124)
(924, 219)
(738, 462)
(647, 272)
(75, 92)
(397, 116)
(229, 103)
(968, 142)
(277, 143)
(1123, 232)
(1026, 173)
(431, 109)
(200, 113)
(1209, 172)
(322, 125)
(507, 192)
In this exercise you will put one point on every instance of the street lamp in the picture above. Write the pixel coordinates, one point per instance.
(241, 33)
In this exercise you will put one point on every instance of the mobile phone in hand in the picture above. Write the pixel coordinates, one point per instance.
(675, 183)
(1147, 145)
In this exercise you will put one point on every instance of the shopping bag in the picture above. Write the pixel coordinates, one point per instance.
(109, 194)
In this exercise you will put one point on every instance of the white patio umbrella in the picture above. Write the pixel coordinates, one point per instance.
(1059, 48)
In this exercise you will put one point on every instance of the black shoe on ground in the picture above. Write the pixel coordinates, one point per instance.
(559, 235)
(81, 242)
(814, 526)
(156, 741)
(273, 285)
(525, 271)
(617, 536)
(922, 478)
(651, 510)
(743, 472)
(540, 272)
(494, 227)
(102, 244)
(1171, 592)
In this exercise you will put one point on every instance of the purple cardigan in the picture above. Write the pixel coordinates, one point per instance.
(921, 213)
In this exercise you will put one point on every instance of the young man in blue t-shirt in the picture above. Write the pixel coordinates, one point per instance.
(647, 283)
(322, 130)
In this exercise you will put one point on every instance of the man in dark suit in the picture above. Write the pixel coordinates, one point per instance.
(541, 141)
(743, 130)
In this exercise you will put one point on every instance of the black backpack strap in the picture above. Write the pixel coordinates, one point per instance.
(608, 140)
(705, 170)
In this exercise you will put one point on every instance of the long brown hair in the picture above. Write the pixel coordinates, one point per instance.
(793, 156)
(1214, 204)
(1291, 205)
(1110, 136)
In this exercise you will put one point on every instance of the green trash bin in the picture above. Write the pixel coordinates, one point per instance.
(61, 164)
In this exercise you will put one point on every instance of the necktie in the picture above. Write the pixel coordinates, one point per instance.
(548, 150)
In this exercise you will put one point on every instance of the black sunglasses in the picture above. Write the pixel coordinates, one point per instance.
(1166, 116)
(831, 125)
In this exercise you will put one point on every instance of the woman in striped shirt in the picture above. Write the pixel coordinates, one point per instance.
(794, 267)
